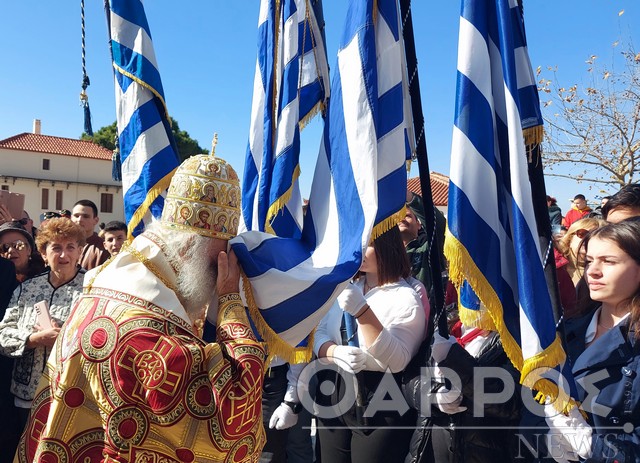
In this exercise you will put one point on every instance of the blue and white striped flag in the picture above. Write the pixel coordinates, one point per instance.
(147, 147)
(358, 189)
(290, 87)
(492, 239)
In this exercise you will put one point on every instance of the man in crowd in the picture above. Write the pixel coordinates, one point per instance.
(130, 378)
(85, 214)
(416, 239)
(624, 204)
(579, 210)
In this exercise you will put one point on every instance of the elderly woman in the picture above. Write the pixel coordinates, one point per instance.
(16, 245)
(60, 243)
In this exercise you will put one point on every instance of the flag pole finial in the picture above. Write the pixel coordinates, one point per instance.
(214, 142)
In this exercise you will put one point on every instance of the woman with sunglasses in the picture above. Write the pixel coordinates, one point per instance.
(604, 349)
(16, 245)
(60, 243)
(570, 245)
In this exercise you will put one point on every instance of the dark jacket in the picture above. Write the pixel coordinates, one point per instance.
(555, 215)
(8, 283)
(94, 253)
(10, 430)
(615, 356)
(418, 249)
(471, 441)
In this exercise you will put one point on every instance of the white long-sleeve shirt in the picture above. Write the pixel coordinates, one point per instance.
(401, 314)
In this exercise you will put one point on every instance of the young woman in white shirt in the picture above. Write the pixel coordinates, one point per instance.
(390, 321)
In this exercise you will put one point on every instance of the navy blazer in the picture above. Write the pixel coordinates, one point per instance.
(611, 365)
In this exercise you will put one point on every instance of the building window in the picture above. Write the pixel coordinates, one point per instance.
(106, 203)
(5, 187)
(45, 199)
(58, 199)
(45, 164)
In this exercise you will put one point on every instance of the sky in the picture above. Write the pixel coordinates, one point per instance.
(206, 51)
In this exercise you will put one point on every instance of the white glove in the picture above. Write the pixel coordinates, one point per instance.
(447, 400)
(574, 434)
(349, 358)
(351, 299)
(283, 418)
(441, 346)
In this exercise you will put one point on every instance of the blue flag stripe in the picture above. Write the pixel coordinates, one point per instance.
(132, 11)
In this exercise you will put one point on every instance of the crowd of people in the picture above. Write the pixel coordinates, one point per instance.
(117, 351)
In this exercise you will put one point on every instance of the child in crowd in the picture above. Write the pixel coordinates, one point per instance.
(115, 234)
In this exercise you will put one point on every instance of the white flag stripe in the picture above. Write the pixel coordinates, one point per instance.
(524, 74)
(286, 126)
(471, 169)
(521, 191)
(130, 101)
(388, 144)
(360, 130)
(308, 69)
(148, 143)
(133, 37)
(389, 53)
(473, 61)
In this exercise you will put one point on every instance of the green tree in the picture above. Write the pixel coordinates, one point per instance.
(105, 137)
(186, 145)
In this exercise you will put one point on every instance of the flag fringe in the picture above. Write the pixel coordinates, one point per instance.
(533, 135)
(317, 108)
(473, 318)
(152, 194)
(275, 345)
(281, 202)
(461, 268)
(148, 87)
(387, 224)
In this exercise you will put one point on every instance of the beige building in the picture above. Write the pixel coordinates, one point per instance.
(54, 172)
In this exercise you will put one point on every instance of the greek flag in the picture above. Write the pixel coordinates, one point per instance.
(147, 148)
(290, 87)
(358, 188)
(492, 240)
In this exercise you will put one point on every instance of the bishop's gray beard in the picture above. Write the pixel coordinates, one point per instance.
(196, 284)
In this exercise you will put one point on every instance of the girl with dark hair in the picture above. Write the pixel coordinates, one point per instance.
(604, 348)
(389, 328)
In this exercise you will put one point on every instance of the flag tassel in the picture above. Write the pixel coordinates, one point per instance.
(276, 346)
(281, 202)
(532, 368)
(116, 163)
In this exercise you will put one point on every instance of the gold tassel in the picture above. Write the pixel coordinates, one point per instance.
(281, 202)
(533, 135)
(388, 223)
(319, 107)
(148, 87)
(152, 194)
(532, 369)
(276, 346)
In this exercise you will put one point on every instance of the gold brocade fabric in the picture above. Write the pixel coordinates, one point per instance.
(129, 381)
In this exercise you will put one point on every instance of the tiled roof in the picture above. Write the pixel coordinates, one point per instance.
(55, 145)
(439, 188)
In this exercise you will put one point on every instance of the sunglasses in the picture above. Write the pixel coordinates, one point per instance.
(581, 233)
(18, 245)
(22, 221)
(49, 215)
